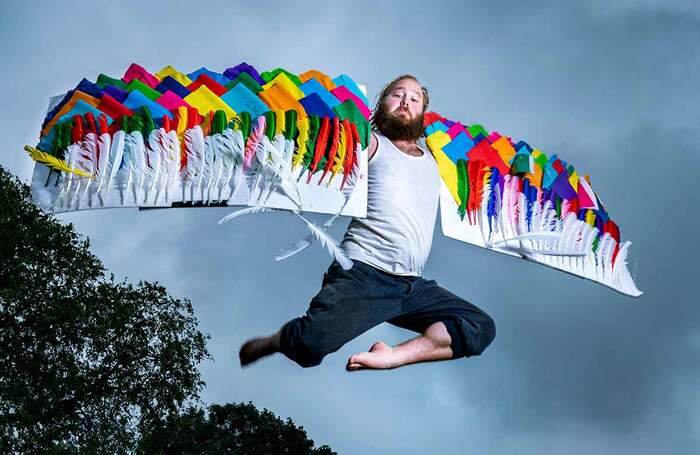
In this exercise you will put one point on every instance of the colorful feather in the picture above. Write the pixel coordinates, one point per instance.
(303, 126)
(335, 139)
(253, 141)
(320, 146)
(462, 187)
(53, 162)
(353, 146)
(343, 141)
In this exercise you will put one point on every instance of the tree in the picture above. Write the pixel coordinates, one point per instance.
(92, 365)
(87, 363)
(236, 429)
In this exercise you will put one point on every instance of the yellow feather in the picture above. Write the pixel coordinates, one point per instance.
(340, 156)
(182, 123)
(590, 217)
(303, 127)
(53, 162)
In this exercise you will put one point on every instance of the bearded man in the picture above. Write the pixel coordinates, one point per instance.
(389, 249)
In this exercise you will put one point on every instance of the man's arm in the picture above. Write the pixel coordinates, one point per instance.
(372, 146)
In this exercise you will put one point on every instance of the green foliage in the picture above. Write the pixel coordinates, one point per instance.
(232, 429)
(91, 365)
(86, 362)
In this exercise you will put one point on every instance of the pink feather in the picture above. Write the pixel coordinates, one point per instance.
(253, 140)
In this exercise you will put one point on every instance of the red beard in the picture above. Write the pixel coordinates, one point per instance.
(397, 127)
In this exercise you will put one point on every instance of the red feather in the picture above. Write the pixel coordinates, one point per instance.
(334, 148)
(77, 133)
(166, 123)
(320, 146)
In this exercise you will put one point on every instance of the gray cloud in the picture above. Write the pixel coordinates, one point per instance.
(575, 368)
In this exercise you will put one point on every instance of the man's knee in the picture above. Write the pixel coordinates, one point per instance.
(486, 335)
(307, 353)
(302, 346)
(470, 337)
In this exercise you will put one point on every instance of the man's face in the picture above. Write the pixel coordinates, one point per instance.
(405, 101)
(400, 115)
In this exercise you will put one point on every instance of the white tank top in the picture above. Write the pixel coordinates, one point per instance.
(402, 201)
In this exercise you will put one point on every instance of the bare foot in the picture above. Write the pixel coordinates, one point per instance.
(256, 348)
(379, 357)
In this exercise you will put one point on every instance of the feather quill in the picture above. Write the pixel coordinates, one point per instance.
(246, 211)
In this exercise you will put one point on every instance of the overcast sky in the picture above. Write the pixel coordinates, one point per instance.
(575, 368)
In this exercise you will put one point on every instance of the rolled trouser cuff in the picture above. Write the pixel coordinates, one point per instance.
(294, 348)
(458, 343)
(468, 340)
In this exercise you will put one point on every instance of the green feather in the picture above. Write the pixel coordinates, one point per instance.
(219, 122)
(290, 121)
(314, 127)
(244, 119)
(462, 187)
(148, 124)
(270, 124)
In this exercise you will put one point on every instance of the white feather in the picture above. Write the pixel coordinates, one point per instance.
(348, 192)
(154, 157)
(104, 145)
(69, 181)
(88, 164)
(235, 139)
(116, 153)
(328, 243)
(171, 148)
(137, 154)
(207, 169)
(123, 170)
(246, 211)
(297, 246)
(194, 150)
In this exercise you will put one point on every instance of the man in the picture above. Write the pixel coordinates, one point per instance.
(389, 249)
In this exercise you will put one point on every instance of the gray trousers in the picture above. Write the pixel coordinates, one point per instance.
(353, 301)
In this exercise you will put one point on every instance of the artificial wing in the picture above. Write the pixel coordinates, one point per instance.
(170, 139)
(508, 197)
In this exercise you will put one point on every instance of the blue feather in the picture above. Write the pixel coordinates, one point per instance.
(491, 209)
